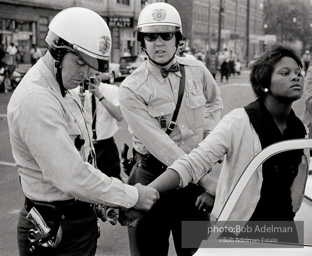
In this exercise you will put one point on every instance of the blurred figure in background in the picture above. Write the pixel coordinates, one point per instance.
(306, 116)
(237, 67)
(211, 62)
(12, 50)
(35, 54)
(306, 58)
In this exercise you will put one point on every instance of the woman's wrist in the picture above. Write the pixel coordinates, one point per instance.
(101, 98)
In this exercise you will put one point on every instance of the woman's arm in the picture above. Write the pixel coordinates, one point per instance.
(167, 181)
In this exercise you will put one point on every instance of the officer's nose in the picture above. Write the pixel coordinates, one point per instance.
(85, 71)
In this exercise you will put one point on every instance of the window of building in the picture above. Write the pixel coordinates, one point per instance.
(6, 24)
(125, 2)
(43, 29)
(23, 26)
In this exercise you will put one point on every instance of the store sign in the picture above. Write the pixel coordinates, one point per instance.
(123, 22)
(21, 36)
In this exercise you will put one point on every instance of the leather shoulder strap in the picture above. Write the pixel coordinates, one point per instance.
(173, 123)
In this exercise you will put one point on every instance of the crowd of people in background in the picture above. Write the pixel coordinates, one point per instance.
(14, 54)
(225, 63)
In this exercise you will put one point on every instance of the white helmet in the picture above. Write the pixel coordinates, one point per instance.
(159, 17)
(82, 32)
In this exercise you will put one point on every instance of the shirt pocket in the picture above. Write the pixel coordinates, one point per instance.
(164, 110)
(74, 132)
(195, 114)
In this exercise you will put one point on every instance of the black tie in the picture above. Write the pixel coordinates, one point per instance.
(93, 116)
(174, 68)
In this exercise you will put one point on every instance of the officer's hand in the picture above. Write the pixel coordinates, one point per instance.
(130, 217)
(107, 213)
(147, 197)
(101, 212)
(94, 89)
(205, 202)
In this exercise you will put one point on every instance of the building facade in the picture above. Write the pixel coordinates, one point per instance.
(220, 24)
(206, 23)
(25, 22)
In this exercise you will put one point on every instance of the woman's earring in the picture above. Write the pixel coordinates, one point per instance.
(266, 90)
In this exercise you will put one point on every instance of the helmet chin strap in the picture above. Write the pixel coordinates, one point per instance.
(161, 64)
(59, 79)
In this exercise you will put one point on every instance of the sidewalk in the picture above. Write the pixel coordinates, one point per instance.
(242, 79)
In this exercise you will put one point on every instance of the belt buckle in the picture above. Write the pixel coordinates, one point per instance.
(171, 125)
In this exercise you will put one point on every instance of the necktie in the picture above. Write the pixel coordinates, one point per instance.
(174, 68)
(93, 116)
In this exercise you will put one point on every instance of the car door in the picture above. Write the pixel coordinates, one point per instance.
(214, 244)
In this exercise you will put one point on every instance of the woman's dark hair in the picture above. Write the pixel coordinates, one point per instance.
(262, 69)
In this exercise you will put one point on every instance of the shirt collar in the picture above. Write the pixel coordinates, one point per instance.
(51, 80)
(156, 71)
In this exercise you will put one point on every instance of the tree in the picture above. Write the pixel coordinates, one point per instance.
(289, 20)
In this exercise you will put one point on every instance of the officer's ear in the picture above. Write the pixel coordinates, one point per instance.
(178, 38)
(140, 38)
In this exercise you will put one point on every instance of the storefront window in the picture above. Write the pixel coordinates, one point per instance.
(125, 2)
(6, 24)
(23, 26)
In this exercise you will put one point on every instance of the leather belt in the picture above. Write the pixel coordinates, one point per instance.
(149, 162)
(70, 209)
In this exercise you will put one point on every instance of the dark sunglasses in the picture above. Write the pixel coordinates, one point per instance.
(151, 37)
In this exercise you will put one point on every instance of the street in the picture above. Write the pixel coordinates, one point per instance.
(113, 241)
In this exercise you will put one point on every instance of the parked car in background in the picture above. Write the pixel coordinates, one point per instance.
(112, 75)
(128, 64)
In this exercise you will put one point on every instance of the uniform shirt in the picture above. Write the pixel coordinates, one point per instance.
(235, 137)
(43, 126)
(106, 125)
(146, 97)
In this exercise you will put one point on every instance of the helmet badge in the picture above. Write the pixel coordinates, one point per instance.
(104, 44)
(159, 14)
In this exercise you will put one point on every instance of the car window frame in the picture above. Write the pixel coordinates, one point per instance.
(259, 159)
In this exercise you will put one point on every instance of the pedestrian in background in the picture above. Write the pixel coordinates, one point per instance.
(102, 105)
(232, 60)
(306, 116)
(35, 54)
(237, 67)
(225, 65)
(12, 51)
(276, 190)
(306, 58)
(52, 145)
(20, 53)
(211, 62)
(148, 98)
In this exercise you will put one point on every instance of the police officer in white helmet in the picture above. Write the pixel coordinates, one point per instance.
(170, 104)
(52, 145)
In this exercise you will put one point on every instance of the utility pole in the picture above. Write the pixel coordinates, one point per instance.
(209, 25)
(247, 33)
(219, 28)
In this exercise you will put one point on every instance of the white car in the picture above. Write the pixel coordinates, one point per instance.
(209, 247)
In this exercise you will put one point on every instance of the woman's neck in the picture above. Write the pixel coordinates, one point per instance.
(279, 111)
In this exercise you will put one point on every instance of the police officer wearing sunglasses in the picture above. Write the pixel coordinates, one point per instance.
(148, 100)
(52, 143)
